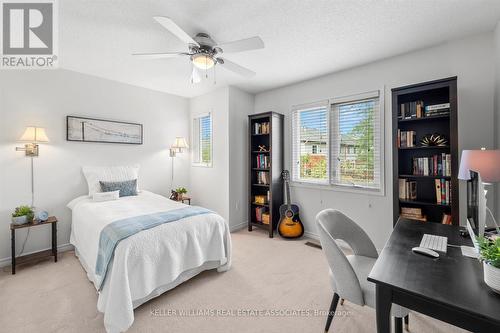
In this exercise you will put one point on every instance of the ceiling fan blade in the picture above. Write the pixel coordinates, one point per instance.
(160, 55)
(229, 65)
(170, 25)
(247, 44)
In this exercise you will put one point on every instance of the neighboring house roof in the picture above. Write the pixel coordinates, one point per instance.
(314, 136)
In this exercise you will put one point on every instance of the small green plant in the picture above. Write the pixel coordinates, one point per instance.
(24, 211)
(181, 190)
(490, 251)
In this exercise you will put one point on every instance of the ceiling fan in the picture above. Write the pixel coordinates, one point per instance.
(204, 52)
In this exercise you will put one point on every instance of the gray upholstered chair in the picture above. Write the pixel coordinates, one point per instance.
(348, 273)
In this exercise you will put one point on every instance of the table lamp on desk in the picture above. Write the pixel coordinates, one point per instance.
(486, 163)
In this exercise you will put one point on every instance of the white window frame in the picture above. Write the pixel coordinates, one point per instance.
(331, 185)
(305, 107)
(202, 164)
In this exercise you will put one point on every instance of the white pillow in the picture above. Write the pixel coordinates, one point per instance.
(95, 174)
(106, 196)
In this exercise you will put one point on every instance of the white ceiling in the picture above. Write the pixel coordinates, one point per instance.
(303, 38)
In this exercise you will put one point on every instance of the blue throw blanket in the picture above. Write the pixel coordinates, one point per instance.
(114, 232)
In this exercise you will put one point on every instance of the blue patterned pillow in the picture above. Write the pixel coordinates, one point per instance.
(127, 188)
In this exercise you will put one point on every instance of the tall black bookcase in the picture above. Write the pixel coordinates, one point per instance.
(430, 93)
(265, 132)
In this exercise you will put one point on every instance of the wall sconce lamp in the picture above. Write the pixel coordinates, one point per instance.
(179, 144)
(33, 136)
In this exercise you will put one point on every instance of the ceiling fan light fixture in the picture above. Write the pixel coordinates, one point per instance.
(203, 61)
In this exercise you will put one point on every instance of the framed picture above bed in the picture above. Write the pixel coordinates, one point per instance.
(83, 129)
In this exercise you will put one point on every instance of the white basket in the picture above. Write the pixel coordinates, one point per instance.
(492, 276)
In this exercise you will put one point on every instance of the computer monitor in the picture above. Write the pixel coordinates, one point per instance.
(476, 206)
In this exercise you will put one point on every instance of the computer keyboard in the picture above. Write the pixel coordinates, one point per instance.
(433, 242)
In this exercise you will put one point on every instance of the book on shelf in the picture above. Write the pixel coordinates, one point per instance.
(443, 191)
(261, 128)
(407, 139)
(263, 177)
(259, 211)
(437, 110)
(436, 165)
(446, 219)
(411, 110)
(263, 161)
(407, 189)
(413, 214)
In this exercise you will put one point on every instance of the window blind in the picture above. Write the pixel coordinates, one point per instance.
(310, 126)
(356, 143)
(202, 140)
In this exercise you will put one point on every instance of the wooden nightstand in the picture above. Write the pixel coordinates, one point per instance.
(51, 220)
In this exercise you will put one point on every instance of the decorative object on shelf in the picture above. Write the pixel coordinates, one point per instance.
(180, 192)
(174, 195)
(490, 255)
(433, 140)
(262, 148)
(33, 135)
(260, 199)
(22, 215)
(40, 215)
(83, 129)
(178, 146)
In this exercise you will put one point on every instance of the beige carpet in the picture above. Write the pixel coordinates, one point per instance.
(267, 275)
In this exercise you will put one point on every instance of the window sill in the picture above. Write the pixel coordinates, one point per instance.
(202, 165)
(338, 188)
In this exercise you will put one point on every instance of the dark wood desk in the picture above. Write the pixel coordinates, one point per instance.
(449, 288)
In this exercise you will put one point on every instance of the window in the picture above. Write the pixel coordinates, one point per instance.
(202, 140)
(310, 144)
(345, 136)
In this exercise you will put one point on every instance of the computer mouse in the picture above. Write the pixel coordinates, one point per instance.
(426, 252)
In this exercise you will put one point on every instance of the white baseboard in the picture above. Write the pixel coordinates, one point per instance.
(237, 227)
(311, 235)
(60, 248)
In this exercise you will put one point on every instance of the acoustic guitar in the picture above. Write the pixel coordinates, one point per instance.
(289, 225)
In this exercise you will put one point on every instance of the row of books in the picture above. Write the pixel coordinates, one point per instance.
(261, 128)
(412, 110)
(416, 214)
(436, 165)
(437, 110)
(447, 219)
(413, 214)
(407, 189)
(443, 191)
(263, 177)
(263, 161)
(406, 139)
(416, 109)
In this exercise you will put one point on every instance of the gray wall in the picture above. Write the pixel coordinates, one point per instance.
(45, 98)
(471, 59)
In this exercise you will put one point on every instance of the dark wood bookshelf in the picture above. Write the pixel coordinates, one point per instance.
(273, 141)
(430, 93)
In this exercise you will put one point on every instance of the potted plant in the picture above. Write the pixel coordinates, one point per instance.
(22, 215)
(180, 192)
(490, 255)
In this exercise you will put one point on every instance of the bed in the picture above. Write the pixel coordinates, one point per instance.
(151, 261)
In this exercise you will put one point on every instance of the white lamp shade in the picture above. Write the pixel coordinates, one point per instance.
(34, 135)
(180, 143)
(486, 162)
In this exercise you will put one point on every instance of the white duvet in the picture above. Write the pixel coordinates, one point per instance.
(151, 261)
